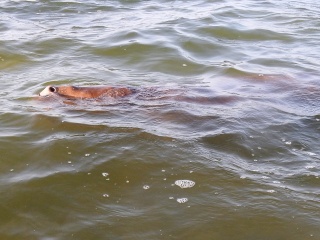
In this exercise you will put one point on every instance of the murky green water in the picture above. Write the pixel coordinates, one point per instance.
(229, 100)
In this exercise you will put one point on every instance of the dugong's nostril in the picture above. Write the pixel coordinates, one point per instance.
(52, 89)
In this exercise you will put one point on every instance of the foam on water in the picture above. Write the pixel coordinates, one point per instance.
(146, 187)
(185, 183)
(182, 200)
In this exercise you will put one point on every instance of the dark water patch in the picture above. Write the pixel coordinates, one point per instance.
(312, 122)
(163, 57)
(245, 35)
(214, 100)
(228, 143)
(208, 49)
(306, 182)
(279, 228)
(12, 59)
(52, 46)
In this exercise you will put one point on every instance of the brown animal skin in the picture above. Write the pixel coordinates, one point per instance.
(86, 92)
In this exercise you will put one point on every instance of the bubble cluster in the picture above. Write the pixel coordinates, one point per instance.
(182, 200)
(146, 187)
(184, 183)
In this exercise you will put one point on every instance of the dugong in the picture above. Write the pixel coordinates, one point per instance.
(86, 92)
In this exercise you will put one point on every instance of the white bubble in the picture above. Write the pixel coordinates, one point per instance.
(146, 187)
(184, 183)
(182, 200)
(105, 174)
(105, 195)
(288, 143)
(271, 191)
(87, 154)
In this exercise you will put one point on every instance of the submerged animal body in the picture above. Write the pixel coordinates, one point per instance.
(146, 94)
(86, 92)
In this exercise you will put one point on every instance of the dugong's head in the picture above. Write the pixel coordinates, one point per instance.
(50, 90)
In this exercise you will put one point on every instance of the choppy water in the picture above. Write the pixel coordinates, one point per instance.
(223, 142)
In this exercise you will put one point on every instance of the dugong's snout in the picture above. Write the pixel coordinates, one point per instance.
(48, 91)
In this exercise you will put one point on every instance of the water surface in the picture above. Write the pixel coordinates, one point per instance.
(229, 100)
